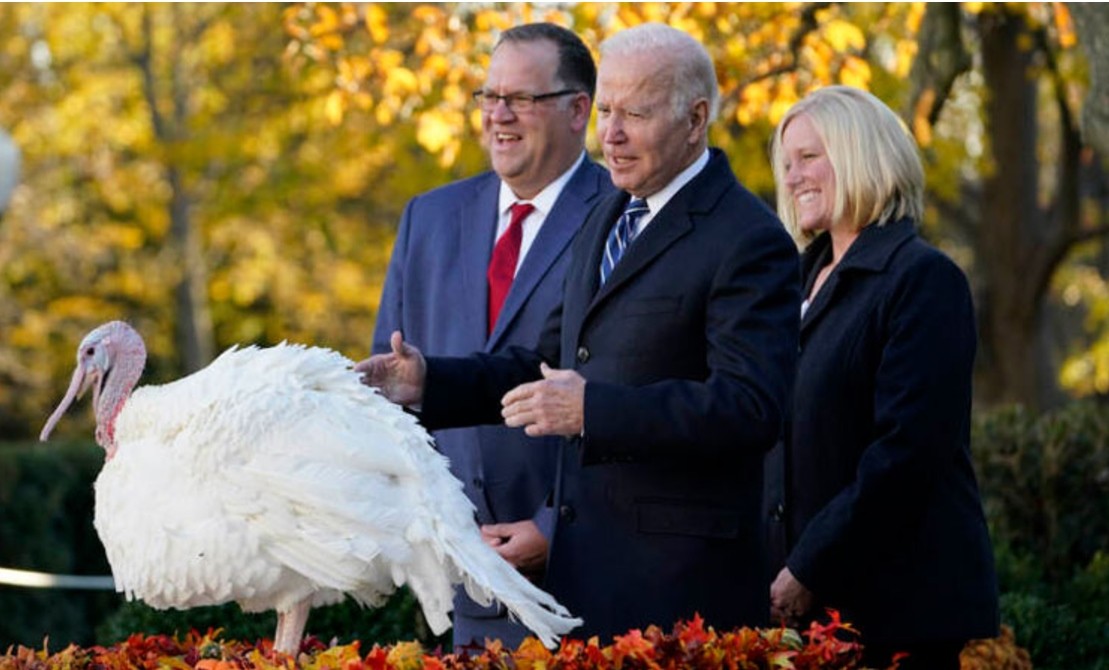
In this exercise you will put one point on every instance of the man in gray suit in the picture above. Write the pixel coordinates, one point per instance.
(479, 264)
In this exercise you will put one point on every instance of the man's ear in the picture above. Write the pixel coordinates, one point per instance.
(698, 120)
(580, 109)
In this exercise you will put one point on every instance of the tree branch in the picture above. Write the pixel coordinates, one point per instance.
(808, 25)
(941, 58)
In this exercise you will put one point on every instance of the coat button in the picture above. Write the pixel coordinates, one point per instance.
(567, 513)
(583, 354)
(479, 483)
(778, 512)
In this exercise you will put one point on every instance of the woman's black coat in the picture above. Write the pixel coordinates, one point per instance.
(881, 514)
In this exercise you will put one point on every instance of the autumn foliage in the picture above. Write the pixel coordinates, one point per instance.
(691, 645)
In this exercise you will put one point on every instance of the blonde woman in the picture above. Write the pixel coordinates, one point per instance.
(879, 505)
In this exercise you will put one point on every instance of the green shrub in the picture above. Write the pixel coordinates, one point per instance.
(1045, 486)
(1045, 482)
(46, 506)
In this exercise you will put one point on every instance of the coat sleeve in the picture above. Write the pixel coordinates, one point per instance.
(751, 325)
(922, 396)
(467, 391)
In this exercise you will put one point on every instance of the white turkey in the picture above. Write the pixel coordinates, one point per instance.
(275, 479)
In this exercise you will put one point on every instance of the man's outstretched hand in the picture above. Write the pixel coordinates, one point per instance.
(399, 374)
(554, 405)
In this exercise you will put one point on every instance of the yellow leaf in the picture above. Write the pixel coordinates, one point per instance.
(916, 15)
(377, 23)
(384, 114)
(784, 98)
(335, 107)
(386, 59)
(436, 129)
(905, 53)
(401, 81)
(363, 100)
(855, 72)
(327, 20)
(427, 13)
(331, 41)
(843, 36)
(486, 20)
(922, 129)
(406, 656)
(1065, 26)
(437, 65)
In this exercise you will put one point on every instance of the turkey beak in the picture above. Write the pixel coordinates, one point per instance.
(82, 379)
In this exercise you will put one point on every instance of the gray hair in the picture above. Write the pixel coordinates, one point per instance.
(690, 68)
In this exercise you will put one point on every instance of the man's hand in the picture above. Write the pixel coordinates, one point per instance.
(399, 374)
(520, 543)
(554, 405)
(789, 599)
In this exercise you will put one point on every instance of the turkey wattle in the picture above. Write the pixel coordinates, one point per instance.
(275, 479)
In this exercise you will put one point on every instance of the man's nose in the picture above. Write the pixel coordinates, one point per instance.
(611, 131)
(501, 112)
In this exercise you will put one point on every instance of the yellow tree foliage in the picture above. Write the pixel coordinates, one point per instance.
(294, 134)
(417, 64)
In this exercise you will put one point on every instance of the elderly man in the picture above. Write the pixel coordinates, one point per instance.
(675, 344)
(479, 264)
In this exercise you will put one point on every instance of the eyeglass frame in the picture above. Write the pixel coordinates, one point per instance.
(482, 98)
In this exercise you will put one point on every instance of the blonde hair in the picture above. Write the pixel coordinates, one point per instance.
(879, 176)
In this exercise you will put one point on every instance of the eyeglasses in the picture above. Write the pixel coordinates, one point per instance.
(517, 102)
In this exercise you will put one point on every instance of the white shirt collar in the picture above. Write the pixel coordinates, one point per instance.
(544, 200)
(656, 201)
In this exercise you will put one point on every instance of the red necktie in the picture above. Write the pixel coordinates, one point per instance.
(502, 266)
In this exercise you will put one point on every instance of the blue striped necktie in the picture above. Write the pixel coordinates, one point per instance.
(621, 236)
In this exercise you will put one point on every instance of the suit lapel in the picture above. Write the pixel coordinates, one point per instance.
(668, 226)
(478, 217)
(566, 217)
(584, 275)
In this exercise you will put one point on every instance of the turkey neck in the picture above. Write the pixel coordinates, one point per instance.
(118, 383)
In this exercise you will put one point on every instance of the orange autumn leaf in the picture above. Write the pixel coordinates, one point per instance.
(532, 655)
(694, 632)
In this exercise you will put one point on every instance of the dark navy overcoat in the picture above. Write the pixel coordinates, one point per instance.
(874, 491)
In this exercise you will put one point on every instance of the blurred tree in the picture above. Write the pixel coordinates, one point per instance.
(175, 164)
(1005, 186)
(1091, 22)
(1030, 203)
(215, 180)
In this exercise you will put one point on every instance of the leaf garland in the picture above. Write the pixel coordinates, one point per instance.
(691, 645)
